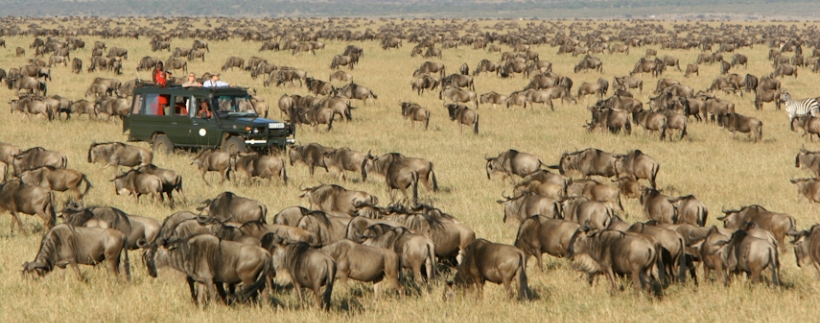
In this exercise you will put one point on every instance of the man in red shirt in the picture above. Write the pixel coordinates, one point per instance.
(160, 75)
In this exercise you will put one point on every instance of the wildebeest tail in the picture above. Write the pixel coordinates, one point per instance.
(50, 210)
(127, 262)
(523, 288)
(655, 168)
(682, 261)
(263, 210)
(373, 94)
(87, 184)
(331, 276)
(259, 283)
(475, 126)
(775, 264)
(427, 121)
(433, 174)
(330, 123)
(628, 126)
(415, 188)
(284, 174)
(683, 132)
(659, 263)
(430, 263)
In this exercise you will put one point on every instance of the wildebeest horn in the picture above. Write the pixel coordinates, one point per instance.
(553, 166)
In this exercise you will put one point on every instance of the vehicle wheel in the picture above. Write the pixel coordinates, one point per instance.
(234, 145)
(163, 145)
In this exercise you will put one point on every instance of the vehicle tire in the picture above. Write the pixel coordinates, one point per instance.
(163, 145)
(234, 145)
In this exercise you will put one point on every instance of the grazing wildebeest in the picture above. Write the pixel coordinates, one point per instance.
(458, 80)
(269, 45)
(809, 160)
(380, 164)
(512, 162)
(415, 112)
(175, 64)
(588, 63)
(588, 162)
(457, 95)
(608, 118)
(251, 164)
(212, 160)
(67, 245)
(808, 188)
(425, 82)
(336, 199)
(318, 87)
(430, 68)
(344, 159)
(232, 62)
(354, 91)
(494, 262)
(207, 260)
(37, 157)
(136, 184)
(118, 154)
(581, 210)
(464, 69)
(764, 96)
(806, 247)
(464, 116)
(629, 82)
(809, 124)
(737, 122)
(304, 266)
(785, 70)
(599, 88)
(486, 66)
(228, 206)
(610, 252)
(527, 204)
(492, 97)
(594, 191)
(779, 224)
(365, 264)
(689, 210)
(691, 69)
(17, 197)
(23, 82)
(55, 179)
(311, 155)
(538, 235)
(341, 76)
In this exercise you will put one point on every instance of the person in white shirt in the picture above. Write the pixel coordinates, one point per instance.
(215, 82)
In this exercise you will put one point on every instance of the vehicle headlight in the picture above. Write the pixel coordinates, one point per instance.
(255, 131)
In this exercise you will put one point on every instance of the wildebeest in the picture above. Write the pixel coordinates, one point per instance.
(415, 112)
(414, 250)
(588, 63)
(118, 154)
(341, 76)
(340, 60)
(228, 206)
(590, 213)
(485, 66)
(610, 252)
(30, 105)
(658, 207)
(118, 52)
(737, 122)
(336, 199)
(752, 255)
(464, 116)
(673, 247)
(599, 88)
(459, 81)
(380, 164)
(211, 160)
(628, 82)
(806, 247)
(779, 224)
(525, 205)
(538, 235)
(607, 118)
(637, 165)
(365, 264)
(492, 97)
(588, 162)
(691, 69)
(232, 62)
(512, 162)
(425, 82)
(689, 210)
(67, 245)
(318, 87)
(17, 197)
(344, 159)
(494, 262)
(136, 184)
(207, 260)
(253, 165)
(431, 68)
(785, 70)
(354, 91)
(55, 179)
(651, 121)
(809, 124)
(37, 157)
(809, 160)
(304, 266)
(311, 155)
(808, 188)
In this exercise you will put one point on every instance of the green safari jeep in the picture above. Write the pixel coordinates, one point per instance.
(197, 117)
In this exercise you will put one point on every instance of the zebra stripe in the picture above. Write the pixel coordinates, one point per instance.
(799, 108)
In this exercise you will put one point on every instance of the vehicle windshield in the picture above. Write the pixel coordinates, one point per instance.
(230, 106)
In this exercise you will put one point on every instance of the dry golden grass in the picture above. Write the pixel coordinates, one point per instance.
(720, 171)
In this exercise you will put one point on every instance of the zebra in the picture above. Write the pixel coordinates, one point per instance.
(799, 108)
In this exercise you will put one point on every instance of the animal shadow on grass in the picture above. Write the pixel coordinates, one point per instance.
(350, 305)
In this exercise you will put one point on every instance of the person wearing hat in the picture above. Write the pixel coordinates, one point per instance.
(215, 82)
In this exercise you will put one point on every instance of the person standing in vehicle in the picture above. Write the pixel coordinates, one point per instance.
(215, 82)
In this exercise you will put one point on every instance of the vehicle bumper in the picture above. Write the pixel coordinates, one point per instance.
(261, 142)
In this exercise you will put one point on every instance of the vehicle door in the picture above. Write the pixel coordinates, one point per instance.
(177, 120)
(205, 126)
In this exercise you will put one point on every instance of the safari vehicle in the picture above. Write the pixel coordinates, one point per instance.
(196, 117)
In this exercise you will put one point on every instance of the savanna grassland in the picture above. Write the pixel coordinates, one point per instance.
(720, 171)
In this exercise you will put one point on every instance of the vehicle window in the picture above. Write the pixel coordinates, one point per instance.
(202, 109)
(181, 105)
(233, 105)
(157, 105)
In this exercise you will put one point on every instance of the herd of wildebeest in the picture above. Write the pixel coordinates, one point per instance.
(229, 241)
